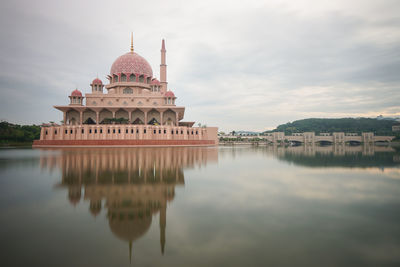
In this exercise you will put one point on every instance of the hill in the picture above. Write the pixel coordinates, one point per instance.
(348, 125)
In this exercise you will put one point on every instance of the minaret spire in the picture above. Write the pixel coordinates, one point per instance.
(131, 42)
(163, 67)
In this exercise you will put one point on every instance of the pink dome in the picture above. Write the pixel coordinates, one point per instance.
(131, 62)
(155, 81)
(97, 81)
(76, 92)
(169, 94)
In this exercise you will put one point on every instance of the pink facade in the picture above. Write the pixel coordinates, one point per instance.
(136, 106)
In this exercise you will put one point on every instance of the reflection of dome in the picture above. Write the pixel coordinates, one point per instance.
(95, 207)
(76, 92)
(130, 229)
(129, 63)
(74, 194)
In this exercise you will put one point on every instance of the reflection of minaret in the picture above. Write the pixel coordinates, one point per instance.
(163, 223)
(130, 251)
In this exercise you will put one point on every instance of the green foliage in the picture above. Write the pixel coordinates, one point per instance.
(397, 137)
(13, 133)
(347, 125)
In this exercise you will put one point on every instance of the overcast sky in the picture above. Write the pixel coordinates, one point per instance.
(239, 65)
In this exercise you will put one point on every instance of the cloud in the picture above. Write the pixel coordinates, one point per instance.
(237, 65)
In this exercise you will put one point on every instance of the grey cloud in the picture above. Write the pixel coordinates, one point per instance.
(248, 65)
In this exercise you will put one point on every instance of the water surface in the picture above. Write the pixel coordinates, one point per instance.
(227, 206)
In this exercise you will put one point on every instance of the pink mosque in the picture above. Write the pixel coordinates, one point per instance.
(136, 110)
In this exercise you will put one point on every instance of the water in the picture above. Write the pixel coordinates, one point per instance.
(227, 206)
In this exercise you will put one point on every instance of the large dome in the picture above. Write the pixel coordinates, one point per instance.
(131, 62)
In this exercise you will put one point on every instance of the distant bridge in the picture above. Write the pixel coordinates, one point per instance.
(311, 137)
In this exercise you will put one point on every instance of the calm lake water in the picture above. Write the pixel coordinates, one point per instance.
(226, 206)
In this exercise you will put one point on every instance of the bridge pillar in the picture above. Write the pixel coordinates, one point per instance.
(368, 137)
(338, 137)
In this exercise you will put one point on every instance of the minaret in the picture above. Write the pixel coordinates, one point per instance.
(163, 68)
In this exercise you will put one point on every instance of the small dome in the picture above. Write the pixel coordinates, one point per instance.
(97, 81)
(131, 62)
(169, 94)
(76, 92)
(155, 81)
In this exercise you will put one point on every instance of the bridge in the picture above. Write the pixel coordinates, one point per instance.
(328, 138)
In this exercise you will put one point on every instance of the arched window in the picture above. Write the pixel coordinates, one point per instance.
(148, 80)
(115, 78)
(132, 78)
(141, 79)
(123, 77)
(128, 91)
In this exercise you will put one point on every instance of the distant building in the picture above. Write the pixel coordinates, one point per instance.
(396, 128)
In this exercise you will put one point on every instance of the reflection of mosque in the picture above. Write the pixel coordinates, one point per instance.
(132, 184)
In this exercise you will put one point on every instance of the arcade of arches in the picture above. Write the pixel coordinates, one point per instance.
(153, 116)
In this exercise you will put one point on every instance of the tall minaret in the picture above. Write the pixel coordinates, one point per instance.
(163, 68)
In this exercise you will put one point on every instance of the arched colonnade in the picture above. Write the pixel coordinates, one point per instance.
(141, 116)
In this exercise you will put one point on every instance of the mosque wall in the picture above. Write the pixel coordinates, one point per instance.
(129, 135)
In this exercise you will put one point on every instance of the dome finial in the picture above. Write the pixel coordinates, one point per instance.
(131, 42)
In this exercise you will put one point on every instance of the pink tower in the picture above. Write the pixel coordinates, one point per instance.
(163, 68)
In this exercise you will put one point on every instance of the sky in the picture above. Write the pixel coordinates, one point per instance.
(238, 65)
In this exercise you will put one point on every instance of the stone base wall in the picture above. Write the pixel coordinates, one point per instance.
(120, 143)
(126, 135)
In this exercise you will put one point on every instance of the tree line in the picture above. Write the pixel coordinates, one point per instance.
(14, 133)
(348, 125)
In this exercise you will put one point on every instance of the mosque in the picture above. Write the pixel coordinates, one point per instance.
(137, 109)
